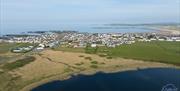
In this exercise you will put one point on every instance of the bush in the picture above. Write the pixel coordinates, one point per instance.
(109, 57)
(81, 55)
(67, 70)
(88, 58)
(94, 62)
(78, 64)
(103, 63)
(94, 66)
(102, 55)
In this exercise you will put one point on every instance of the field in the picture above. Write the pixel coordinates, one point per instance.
(166, 52)
(5, 51)
(18, 63)
(6, 47)
(158, 51)
(67, 49)
(50, 65)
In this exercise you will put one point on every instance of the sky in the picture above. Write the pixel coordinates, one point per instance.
(21, 15)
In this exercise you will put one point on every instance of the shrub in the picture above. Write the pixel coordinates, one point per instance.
(78, 64)
(94, 62)
(102, 55)
(88, 58)
(102, 63)
(81, 55)
(94, 66)
(109, 57)
(68, 70)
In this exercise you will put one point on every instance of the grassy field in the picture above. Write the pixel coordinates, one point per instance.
(9, 81)
(160, 51)
(166, 52)
(18, 63)
(6, 47)
(68, 49)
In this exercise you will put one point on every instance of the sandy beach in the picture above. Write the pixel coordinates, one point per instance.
(166, 30)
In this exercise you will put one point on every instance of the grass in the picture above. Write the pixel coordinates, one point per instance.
(18, 63)
(81, 55)
(7, 47)
(79, 64)
(69, 49)
(102, 55)
(91, 50)
(94, 62)
(158, 51)
(88, 58)
(166, 52)
(66, 70)
(109, 57)
(4, 58)
(94, 66)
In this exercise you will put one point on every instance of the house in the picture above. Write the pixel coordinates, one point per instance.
(41, 45)
(93, 45)
(17, 50)
(40, 48)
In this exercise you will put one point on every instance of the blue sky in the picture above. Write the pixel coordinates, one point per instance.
(22, 14)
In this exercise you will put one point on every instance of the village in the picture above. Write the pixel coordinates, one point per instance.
(81, 40)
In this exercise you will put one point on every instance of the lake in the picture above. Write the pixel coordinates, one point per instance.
(154, 79)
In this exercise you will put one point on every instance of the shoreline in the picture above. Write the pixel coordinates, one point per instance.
(162, 30)
(66, 76)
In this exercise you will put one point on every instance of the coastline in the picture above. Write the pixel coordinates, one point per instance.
(167, 31)
(66, 76)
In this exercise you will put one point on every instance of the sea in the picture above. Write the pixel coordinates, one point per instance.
(91, 28)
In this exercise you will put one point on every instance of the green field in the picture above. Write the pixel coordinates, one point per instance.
(166, 52)
(6, 47)
(158, 51)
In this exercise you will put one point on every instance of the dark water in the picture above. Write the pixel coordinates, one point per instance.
(141, 80)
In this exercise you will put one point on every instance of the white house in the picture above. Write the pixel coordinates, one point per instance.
(41, 45)
(93, 45)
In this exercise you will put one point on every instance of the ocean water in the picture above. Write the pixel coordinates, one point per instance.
(80, 28)
(158, 79)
